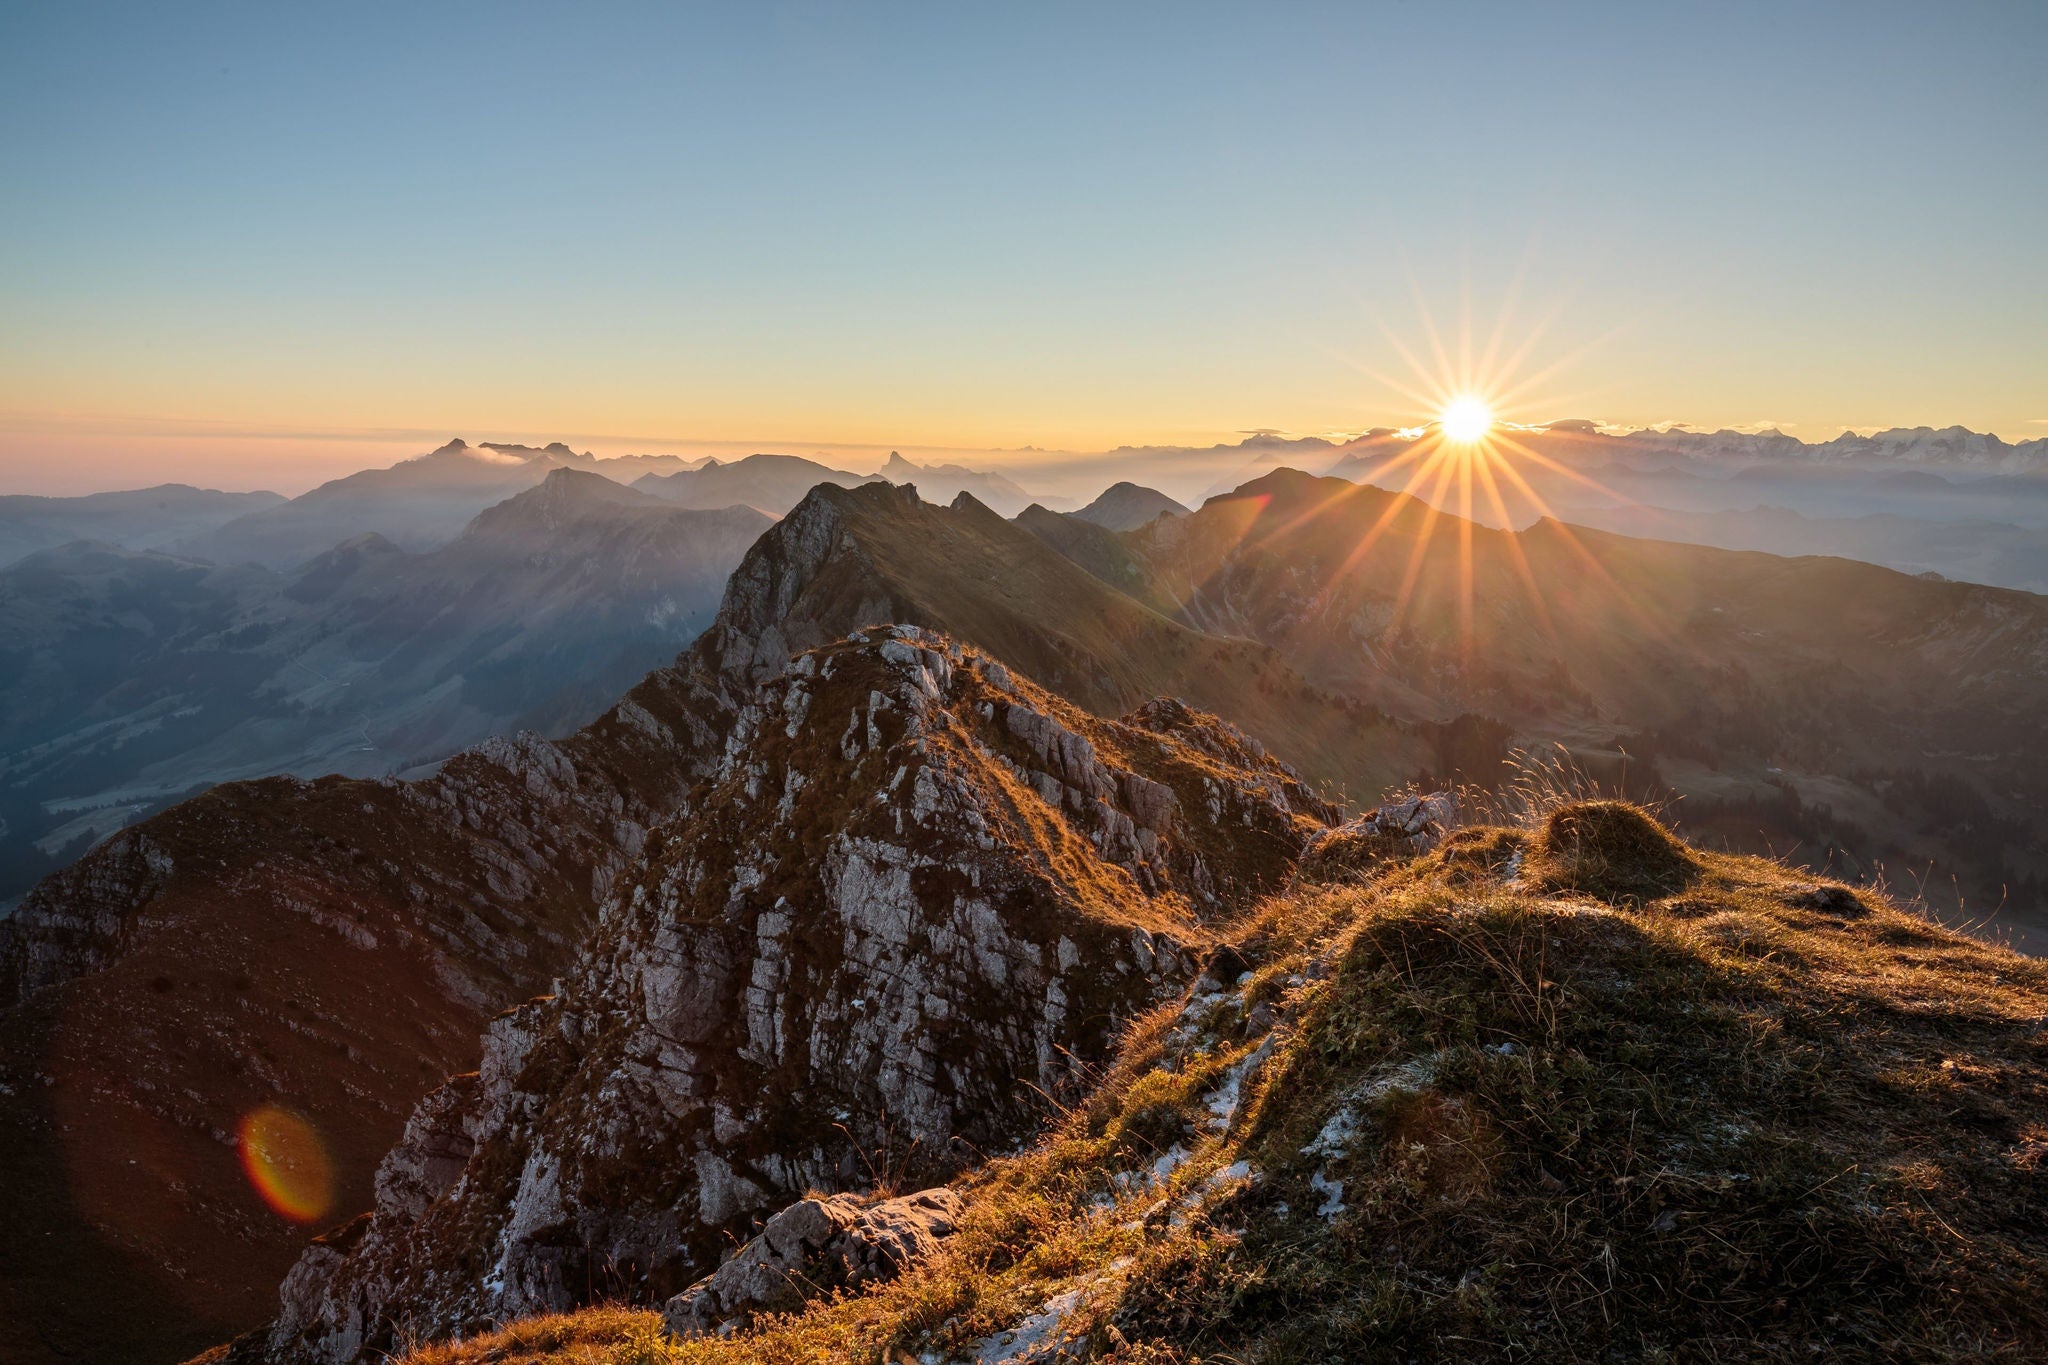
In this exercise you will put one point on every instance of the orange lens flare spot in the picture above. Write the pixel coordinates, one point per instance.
(286, 1161)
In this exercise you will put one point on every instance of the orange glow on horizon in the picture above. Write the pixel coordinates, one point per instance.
(287, 1163)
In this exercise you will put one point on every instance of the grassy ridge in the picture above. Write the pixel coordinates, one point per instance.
(1574, 1092)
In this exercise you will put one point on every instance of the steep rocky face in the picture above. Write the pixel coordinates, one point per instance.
(905, 918)
(229, 932)
(333, 947)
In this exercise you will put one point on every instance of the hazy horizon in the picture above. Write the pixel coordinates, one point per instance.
(294, 463)
(250, 240)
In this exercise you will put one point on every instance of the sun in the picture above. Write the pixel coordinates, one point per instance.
(1465, 419)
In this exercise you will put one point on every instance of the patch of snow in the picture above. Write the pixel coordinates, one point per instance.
(1236, 1173)
(1038, 1337)
(1223, 1101)
(1336, 1136)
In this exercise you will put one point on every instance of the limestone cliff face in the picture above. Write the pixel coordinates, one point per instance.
(911, 908)
(337, 946)
(333, 946)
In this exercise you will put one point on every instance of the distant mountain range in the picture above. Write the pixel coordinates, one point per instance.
(1953, 452)
(132, 677)
(422, 503)
(417, 504)
(770, 483)
(776, 483)
(1955, 449)
(1188, 474)
(144, 519)
(1964, 505)
(1871, 716)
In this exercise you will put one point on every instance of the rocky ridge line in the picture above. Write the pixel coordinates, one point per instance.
(911, 910)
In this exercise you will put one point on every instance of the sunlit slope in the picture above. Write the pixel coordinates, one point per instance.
(1572, 1092)
(1837, 704)
(1376, 590)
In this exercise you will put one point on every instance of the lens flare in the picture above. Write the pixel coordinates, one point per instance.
(287, 1163)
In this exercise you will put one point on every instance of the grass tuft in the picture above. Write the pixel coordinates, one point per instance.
(1610, 850)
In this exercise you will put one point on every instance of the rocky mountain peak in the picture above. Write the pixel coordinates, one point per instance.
(912, 906)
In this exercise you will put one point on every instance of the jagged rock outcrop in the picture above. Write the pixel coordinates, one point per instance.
(334, 946)
(1393, 829)
(337, 946)
(909, 912)
(814, 1246)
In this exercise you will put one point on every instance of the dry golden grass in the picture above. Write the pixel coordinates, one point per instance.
(1602, 1098)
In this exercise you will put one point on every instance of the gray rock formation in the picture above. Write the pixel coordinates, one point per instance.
(914, 904)
(814, 1246)
(366, 931)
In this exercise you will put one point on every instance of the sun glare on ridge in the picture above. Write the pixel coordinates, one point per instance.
(1475, 468)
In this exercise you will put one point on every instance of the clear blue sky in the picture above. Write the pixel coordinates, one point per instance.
(962, 225)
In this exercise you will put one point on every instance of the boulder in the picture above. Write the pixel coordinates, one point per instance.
(1398, 829)
(814, 1246)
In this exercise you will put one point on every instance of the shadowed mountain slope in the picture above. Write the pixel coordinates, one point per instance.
(1889, 716)
(912, 909)
(964, 570)
(1371, 588)
(134, 678)
(371, 927)
(1127, 506)
(1096, 548)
